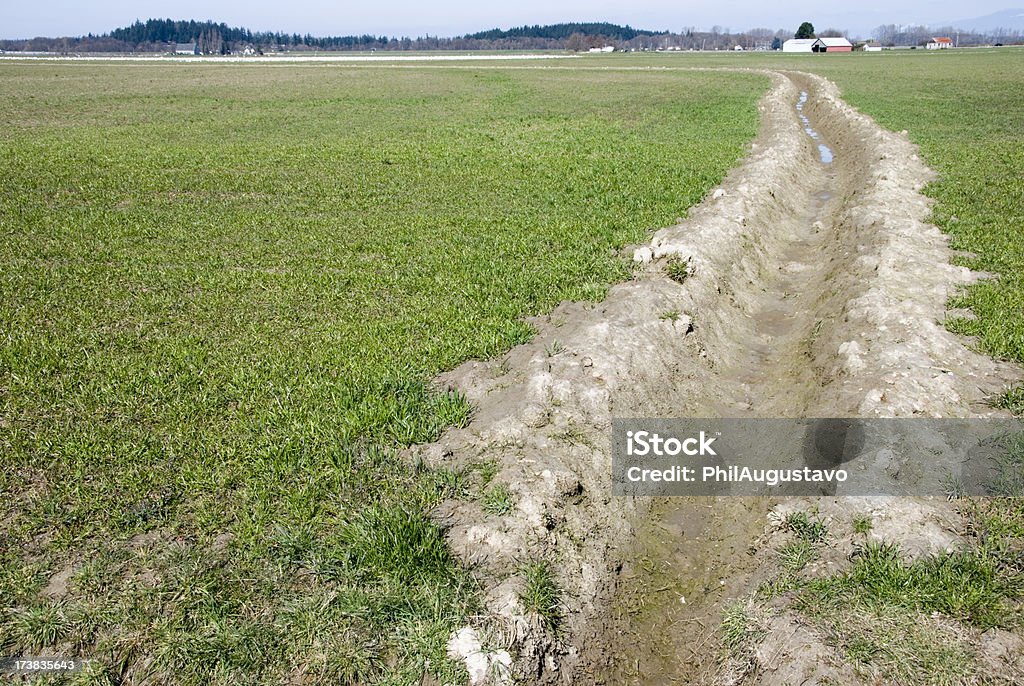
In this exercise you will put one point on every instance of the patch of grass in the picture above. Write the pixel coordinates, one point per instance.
(1013, 401)
(807, 529)
(539, 594)
(739, 629)
(554, 348)
(962, 585)
(1009, 479)
(796, 554)
(862, 525)
(573, 435)
(498, 500)
(677, 269)
(902, 648)
(487, 470)
(670, 316)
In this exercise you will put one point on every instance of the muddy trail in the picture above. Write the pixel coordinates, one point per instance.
(813, 287)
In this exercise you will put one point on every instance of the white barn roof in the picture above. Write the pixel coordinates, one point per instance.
(798, 45)
(836, 42)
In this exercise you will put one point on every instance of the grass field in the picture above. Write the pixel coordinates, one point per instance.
(223, 293)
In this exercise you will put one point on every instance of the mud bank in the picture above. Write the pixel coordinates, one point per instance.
(813, 289)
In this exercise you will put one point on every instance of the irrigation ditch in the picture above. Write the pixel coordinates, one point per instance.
(808, 284)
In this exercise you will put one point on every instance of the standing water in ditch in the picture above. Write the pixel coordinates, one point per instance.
(823, 150)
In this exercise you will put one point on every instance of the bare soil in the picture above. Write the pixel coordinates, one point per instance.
(814, 290)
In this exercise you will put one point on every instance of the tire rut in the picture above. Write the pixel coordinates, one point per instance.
(814, 290)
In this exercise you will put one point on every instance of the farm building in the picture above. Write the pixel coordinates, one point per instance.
(939, 43)
(186, 49)
(798, 45)
(837, 44)
(817, 45)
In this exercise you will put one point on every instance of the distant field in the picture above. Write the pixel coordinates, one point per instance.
(223, 293)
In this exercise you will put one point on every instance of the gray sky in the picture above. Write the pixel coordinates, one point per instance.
(26, 19)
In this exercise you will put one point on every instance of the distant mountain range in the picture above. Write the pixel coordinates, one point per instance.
(1012, 20)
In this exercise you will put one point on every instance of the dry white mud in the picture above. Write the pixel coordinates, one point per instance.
(813, 290)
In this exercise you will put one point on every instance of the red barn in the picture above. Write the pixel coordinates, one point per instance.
(837, 44)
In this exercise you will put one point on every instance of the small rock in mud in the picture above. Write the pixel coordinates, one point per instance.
(535, 415)
(643, 255)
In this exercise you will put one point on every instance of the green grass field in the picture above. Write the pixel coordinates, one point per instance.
(223, 293)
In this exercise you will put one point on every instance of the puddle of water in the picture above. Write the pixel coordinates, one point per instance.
(824, 151)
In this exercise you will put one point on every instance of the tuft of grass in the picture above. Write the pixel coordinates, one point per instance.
(805, 528)
(862, 525)
(796, 555)
(1012, 401)
(554, 348)
(677, 269)
(573, 435)
(670, 316)
(498, 500)
(390, 541)
(739, 629)
(539, 594)
(487, 470)
(39, 626)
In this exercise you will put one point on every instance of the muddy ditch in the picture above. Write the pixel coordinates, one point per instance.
(813, 287)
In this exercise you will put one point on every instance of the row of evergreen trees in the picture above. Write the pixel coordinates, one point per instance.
(564, 31)
(213, 37)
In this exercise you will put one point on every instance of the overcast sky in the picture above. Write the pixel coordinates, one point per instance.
(25, 19)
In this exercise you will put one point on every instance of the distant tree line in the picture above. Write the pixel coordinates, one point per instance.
(159, 35)
(565, 31)
(899, 35)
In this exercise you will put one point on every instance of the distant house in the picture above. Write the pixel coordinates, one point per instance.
(832, 44)
(940, 43)
(186, 49)
(607, 48)
(798, 45)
